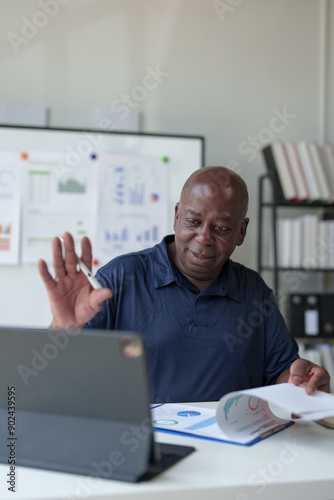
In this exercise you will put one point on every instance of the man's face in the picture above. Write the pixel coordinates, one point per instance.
(208, 225)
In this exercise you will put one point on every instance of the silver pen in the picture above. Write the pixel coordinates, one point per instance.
(92, 280)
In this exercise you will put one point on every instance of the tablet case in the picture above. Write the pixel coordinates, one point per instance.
(79, 402)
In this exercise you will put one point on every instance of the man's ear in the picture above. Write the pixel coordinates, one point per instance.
(176, 214)
(243, 230)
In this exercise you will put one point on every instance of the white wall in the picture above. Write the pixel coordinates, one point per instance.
(229, 75)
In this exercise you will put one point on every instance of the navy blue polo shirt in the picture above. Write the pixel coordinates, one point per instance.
(200, 344)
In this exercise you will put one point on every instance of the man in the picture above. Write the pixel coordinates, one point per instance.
(210, 325)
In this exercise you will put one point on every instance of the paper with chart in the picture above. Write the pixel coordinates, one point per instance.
(118, 201)
(249, 419)
(244, 417)
(56, 199)
(10, 207)
(132, 204)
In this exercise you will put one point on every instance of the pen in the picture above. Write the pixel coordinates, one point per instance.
(92, 280)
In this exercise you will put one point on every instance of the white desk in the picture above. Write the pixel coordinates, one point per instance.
(294, 464)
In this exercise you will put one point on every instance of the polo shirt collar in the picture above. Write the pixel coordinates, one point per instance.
(225, 285)
(162, 267)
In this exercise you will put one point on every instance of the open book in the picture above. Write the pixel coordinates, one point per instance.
(245, 417)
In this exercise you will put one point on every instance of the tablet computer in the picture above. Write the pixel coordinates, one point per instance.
(79, 402)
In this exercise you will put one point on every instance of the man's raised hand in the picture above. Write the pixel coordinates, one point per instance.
(72, 299)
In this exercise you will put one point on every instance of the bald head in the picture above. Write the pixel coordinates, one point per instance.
(209, 222)
(222, 181)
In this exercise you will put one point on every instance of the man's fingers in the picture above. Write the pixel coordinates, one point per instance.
(65, 258)
(48, 280)
(86, 252)
(299, 371)
(70, 256)
(318, 382)
(98, 297)
(313, 377)
(58, 261)
(296, 379)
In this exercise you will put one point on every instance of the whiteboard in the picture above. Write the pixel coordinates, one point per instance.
(23, 300)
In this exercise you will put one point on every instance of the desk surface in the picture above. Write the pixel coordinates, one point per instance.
(294, 464)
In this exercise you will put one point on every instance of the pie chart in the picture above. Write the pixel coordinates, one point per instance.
(188, 413)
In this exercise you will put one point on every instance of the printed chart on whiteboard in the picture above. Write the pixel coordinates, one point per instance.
(132, 204)
(56, 200)
(120, 202)
(9, 209)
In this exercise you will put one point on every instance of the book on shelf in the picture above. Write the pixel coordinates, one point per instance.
(304, 171)
(303, 192)
(309, 231)
(327, 155)
(305, 242)
(295, 251)
(245, 417)
(308, 169)
(329, 243)
(319, 171)
(277, 162)
(324, 257)
(284, 231)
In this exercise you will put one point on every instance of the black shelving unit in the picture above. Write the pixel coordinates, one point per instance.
(274, 204)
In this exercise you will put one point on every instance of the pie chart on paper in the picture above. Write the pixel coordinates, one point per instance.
(188, 413)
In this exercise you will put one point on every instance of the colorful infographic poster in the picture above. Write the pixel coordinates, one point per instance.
(10, 207)
(132, 204)
(119, 201)
(57, 198)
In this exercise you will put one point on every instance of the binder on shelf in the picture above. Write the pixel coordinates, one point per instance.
(303, 192)
(323, 244)
(308, 169)
(319, 171)
(327, 242)
(303, 171)
(303, 242)
(296, 248)
(310, 246)
(327, 156)
(284, 230)
(309, 240)
(311, 315)
(330, 244)
(277, 162)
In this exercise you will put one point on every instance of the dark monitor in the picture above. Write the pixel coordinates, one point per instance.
(79, 402)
